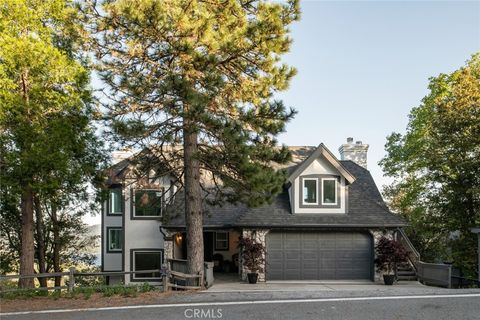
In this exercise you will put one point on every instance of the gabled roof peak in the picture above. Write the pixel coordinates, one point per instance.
(322, 150)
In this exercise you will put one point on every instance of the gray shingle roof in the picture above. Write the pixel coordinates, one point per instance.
(366, 208)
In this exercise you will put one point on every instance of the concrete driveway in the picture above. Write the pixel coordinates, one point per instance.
(228, 283)
(279, 286)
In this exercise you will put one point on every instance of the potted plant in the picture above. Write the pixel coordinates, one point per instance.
(253, 257)
(389, 253)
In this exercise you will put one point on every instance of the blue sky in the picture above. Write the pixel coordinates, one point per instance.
(363, 65)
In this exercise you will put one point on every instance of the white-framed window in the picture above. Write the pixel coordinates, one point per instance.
(143, 260)
(310, 191)
(114, 240)
(329, 191)
(221, 240)
(115, 201)
(148, 203)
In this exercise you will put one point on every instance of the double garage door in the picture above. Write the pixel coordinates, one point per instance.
(319, 256)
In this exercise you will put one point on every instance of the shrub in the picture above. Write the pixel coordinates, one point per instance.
(253, 254)
(130, 291)
(86, 291)
(389, 254)
(146, 287)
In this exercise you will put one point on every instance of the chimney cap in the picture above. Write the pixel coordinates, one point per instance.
(349, 139)
(359, 142)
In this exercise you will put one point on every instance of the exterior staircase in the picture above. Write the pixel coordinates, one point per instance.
(407, 271)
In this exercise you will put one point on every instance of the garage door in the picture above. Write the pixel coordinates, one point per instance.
(319, 256)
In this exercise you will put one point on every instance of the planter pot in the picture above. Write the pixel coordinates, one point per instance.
(252, 277)
(388, 279)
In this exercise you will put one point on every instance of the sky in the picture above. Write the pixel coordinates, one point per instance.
(362, 66)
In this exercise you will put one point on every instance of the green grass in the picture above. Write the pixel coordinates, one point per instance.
(85, 292)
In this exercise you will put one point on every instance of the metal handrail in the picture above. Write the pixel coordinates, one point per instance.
(404, 239)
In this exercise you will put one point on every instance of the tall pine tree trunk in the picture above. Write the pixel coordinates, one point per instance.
(193, 202)
(40, 242)
(56, 245)
(27, 253)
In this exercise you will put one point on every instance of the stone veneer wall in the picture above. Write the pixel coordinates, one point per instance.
(168, 249)
(377, 234)
(260, 236)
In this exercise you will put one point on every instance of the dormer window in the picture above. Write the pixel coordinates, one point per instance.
(329, 191)
(319, 191)
(310, 187)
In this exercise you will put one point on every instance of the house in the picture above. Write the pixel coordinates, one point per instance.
(323, 226)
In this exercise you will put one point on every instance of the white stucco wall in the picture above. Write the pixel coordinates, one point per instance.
(111, 261)
(139, 234)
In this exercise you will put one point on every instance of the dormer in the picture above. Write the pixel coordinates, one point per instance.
(319, 184)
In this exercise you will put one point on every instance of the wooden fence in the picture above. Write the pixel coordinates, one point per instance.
(436, 274)
(170, 279)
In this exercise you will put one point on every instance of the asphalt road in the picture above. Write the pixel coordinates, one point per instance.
(425, 307)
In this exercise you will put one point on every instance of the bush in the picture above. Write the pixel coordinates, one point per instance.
(86, 291)
(253, 254)
(146, 287)
(130, 291)
(389, 254)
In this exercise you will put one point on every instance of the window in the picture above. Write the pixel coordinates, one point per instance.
(221, 241)
(115, 201)
(310, 191)
(147, 260)
(329, 191)
(148, 203)
(114, 243)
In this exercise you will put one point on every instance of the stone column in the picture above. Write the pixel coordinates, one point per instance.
(168, 248)
(168, 245)
(377, 234)
(258, 235)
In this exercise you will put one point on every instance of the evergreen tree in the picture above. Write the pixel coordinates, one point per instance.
(48, 150)
(194, 81)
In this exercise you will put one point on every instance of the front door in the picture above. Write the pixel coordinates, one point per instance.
(208, 246)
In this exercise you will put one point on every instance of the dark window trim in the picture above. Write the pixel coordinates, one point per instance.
(122, 200)
(317, 188)
(320, 178)
(228, 241)
(108, 239)
(132, 205)
(336, 192)
(162, 259)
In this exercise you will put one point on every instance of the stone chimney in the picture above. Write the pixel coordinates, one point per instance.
(357, 152)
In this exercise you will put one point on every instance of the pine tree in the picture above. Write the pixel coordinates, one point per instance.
(48, 150)
(200, 75)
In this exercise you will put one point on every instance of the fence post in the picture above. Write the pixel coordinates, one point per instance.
(201, 282)
(71, 279)
(449, 277)
(165, 282)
